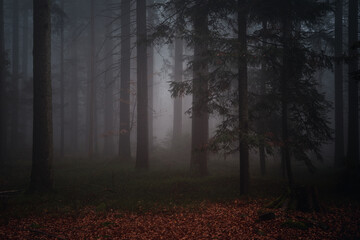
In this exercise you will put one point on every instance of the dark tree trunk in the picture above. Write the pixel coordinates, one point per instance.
(200, 115)
(262, 154)
(285, 78)
(91, 96)
(150, 69)
(339, 114)
(2, 87)
(243, 100)
(109, 86)
(142, 147)
(124, 127)
(353, 126)
(74, 98)
(15, 79)
(178, 72)
(62, 90)
(24, 68)
(42, 158)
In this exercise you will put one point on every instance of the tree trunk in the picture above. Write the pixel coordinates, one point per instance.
(74, 98)
(42, 158)
(124, 127)
(285, 77)
(62, 90)
(200, 115)
(2, 87)
(243, 100)
(150, 69)
(15, 79)
(109, 86)
(353, 126)
(142, 147)
(339, 114)
(178, 74)
(91, 96)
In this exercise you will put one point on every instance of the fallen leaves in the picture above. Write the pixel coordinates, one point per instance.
(236, 220)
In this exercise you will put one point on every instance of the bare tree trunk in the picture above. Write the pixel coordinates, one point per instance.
(150, 69)
(2, 87)
(200, 115)
(285, 76)
(91, 97)
(142, 147)
(124, 128)
(353, 135)
(109, 86)
(62, 91)
(15, 79)
(74, 98)
(177, 121)
(243, 99)
(42, 158)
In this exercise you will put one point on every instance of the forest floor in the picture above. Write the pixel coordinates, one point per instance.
(107, 200)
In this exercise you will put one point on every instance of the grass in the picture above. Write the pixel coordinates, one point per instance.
(111, 184)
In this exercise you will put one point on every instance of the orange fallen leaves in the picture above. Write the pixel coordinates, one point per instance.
(236, 220)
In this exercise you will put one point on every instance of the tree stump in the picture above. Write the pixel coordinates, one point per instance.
(303, 198)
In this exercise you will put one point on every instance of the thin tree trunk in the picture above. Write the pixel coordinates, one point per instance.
(150, 69)
(2, 87)
(124, 127)
(142, 147)
(200, 115)
(339, 114)
(109, 86)
(285, 77)
(42, 157)
(177, 121)
(353, 126)
(74, 102)
(91, 97)
(243, 99)
(262, 154)
(62, 90)
(15, 79)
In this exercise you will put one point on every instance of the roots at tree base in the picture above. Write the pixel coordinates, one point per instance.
(302, 198)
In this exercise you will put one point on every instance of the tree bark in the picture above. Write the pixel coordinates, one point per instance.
(200, 115)
(243, 100)
(2, 87)
(142, 147)
(339, 114)
(62, 90)
(353, 126)
(124, 126)
(15, 79)
(178, 74)
(42, 157)
(91, 96)
(150, 69)
(109, 86)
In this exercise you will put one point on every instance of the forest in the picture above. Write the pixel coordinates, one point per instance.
(179, 119)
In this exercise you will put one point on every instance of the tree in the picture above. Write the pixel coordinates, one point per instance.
(142, 147)
(124, 126)
(200, 115)
(91, 83)
(2, 86)
(42, 156)
(109, 86)
(15, 78)
(339, 115)
(178, 74)
(353, 119)
(62, 84)
(243, 98)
